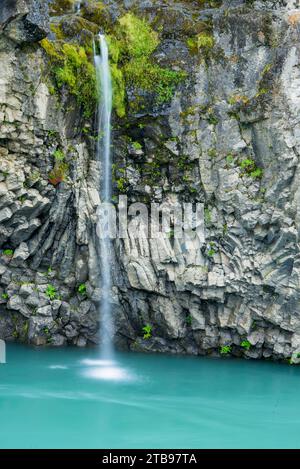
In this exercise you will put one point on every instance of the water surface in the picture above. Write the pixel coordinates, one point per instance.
(62, 398)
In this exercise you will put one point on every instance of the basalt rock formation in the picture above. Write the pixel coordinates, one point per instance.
(218, 124)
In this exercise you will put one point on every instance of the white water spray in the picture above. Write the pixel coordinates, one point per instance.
(104, 157)
(78, 7)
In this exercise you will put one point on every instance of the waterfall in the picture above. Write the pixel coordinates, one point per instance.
(104, 84)
(78, 6)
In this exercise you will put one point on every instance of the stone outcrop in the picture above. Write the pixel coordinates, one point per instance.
(229, 138)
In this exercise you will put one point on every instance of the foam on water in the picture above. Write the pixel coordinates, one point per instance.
(107, 370)
(58, 367)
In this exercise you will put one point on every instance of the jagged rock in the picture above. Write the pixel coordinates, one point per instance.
(20, 254)
(239, 103)
(25, 20)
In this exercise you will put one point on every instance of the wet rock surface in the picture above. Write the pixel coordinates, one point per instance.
(228, 138)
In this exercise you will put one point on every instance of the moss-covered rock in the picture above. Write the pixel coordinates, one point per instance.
(132, 44)
(59, 7)
(72, 67)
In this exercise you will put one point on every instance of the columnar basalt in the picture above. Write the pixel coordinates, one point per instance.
(219, 125)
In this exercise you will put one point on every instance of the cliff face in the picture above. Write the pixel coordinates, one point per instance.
(219, 125)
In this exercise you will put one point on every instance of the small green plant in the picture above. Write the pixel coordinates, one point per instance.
(246, 344)
(206, 41)
(249, 168)
(59, 155)
(211, 252)
(137, 145)
(207, 216)
(229, 159)
(189, 320)
(212, 119)
(225, 349)
(147, 331)
(51, 292)
(8, 252)
(82, 289)
(257, 173)
(212, 152)
(122, 184)
(248, 165)
(4, 296)
(58, 173)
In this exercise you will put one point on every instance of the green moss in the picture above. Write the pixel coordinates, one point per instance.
(95, 11)
(59, 155)
(138, 38)
(212, 152)
(201, 43)
(131, 48)
(72, 68)
(250, 169)
(59, 7)
(205, 41)
(58, 173)
(118, 90)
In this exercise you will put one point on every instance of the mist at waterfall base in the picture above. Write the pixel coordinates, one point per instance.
(46, 401)
(106, 366)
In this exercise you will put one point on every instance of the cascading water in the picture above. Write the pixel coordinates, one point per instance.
(104, 157)
(78, 7)
(105, 368)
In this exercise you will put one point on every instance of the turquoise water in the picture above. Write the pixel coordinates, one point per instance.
(50, 398)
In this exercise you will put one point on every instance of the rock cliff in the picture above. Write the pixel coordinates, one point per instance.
(207, 105)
